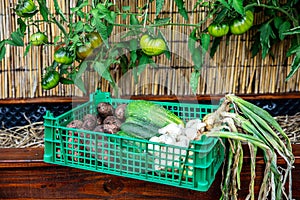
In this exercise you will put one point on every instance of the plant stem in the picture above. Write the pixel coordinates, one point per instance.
(295, 21)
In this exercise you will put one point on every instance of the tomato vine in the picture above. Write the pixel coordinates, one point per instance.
(99, 16)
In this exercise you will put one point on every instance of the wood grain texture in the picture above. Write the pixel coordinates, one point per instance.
(24, 175)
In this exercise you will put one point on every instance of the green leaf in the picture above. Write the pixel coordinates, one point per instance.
(167, 52)
(143, 61)
(78, 78)
(110, 28)
(2, 52)
(56, 39)
(181, 9)
(43, 9)
(126, 8)
(238, 6)
(17, 38)
(215, 45)
(79, 7)
(283, 28)
(103, 70)
(194, 81)
(22, 25)
(197, 57)
(78, 26)
(27, 49)
(295, 47)
(255, 45)
(162, 20)
(205, 41)
(224, 3)
(221, 16)
(266, 33)
(295, 66)
(102, 30)
(159, 5)
(192, 40)
(277, 22)
(295, 30)
(59, 11)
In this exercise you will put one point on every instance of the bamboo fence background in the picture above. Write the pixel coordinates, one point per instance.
(232, 70)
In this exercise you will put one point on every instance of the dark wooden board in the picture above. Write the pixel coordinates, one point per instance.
(24, 175)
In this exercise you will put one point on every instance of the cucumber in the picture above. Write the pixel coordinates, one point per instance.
(152, 113)
(142, 131)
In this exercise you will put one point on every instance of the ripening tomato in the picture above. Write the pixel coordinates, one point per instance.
(241, 25)
(38, 39)
(64, 56)
(50, 80)
(152, 46)
(26, 8)
(95, 39)
(84, 50)
(218, 30)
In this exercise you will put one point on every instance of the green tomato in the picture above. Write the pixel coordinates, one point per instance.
(83, 51)
(50, 80)
(240, 26)
(95, 39)
(218, 30)
(64, 56)
(152, 46)
(26, 8)
(38, 39)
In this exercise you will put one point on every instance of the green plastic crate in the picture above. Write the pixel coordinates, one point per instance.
(193, 168)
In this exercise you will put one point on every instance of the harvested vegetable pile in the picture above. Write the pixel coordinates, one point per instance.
(236, 120)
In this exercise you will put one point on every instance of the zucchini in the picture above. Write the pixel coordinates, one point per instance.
(138, 130)
(152, 113)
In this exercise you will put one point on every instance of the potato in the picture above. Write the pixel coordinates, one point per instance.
(105, 109)
(120, 112)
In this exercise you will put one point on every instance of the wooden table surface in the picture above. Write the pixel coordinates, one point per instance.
(24, 175)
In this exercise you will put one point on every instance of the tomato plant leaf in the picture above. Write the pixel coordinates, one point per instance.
(295, 30)
(59, 11)
(295, 66)
(192, 40)
(22, 25)
(17, 38)
(194, 80)
(283, 28)
(43, 9)
(294, 48)
(197, 57)
(78, 26)
(159, 5)
(102, 30)
(162, 20)
(215, 45)
(255, 45)
(205, 41)
(266, 33)
(27, 49)
(220, 16)
(143, 61)
(181, 9)
(224, 3)
(2, 52)
(78, 77)
(238, 6)
(167, 52)
(126, 8)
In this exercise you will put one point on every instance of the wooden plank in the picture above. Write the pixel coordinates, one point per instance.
(25, 175)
